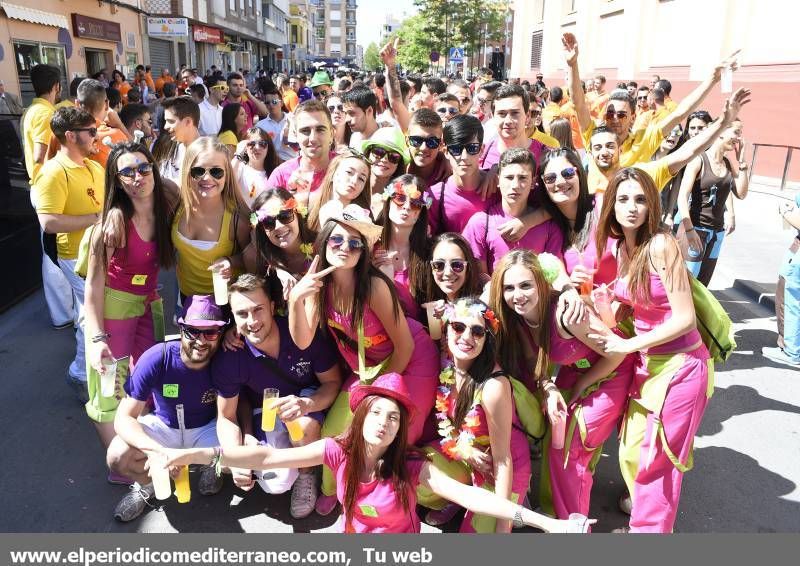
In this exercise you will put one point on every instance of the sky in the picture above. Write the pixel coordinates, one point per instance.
(372, 14)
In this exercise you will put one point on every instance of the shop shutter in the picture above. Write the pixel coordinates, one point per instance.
(161, 56)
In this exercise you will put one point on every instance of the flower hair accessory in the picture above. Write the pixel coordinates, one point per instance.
(410, 191)
(476, 310)
(551, 266)
(275, 207)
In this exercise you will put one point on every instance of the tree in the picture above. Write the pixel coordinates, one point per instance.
(372, 61)
(416, 44)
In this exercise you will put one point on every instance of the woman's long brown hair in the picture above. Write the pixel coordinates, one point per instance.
(393, 464)
(609, 227)
(510, 353)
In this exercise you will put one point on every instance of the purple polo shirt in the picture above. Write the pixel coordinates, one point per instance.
(243, 369)
(160, 372)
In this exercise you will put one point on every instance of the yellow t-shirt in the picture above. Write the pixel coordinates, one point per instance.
(228, 138)
(637, 148)
(545, 139)
(549, 113)
(36, 129)
(643, 120)
(65, 104)
(658, 171)
(64, 187)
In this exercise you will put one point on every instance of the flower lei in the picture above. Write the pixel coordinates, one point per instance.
(412, 192)
(307, 250)
(457, 444)
(262, 213)
(551, 266)
(477, 310)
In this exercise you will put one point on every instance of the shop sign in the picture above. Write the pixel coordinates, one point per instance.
(93, 28)
(167, 27)
(205, 34)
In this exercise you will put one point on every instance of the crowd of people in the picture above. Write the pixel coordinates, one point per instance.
(422, 286)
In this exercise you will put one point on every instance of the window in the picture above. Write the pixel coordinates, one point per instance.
(231, 5)
(539, 10)
(29, 54)
(536, 50)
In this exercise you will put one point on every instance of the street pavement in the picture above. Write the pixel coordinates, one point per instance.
(745, 476)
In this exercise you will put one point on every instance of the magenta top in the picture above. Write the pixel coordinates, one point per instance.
(491, 154)
(282, 175)
(648, 316)
(134, 268)
(606, 267)
(407, 302)
(454, 206)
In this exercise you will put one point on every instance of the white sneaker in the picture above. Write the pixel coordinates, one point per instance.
(304, 495)
(778, 355)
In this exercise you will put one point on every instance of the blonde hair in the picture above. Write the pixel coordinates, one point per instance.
(326, 189)
(230, 191)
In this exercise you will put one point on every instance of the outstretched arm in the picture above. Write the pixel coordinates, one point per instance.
(389, 57)
(688, 104)
(571, 57)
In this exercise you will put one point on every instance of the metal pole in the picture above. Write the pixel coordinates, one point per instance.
(786, 167)
(753, 162)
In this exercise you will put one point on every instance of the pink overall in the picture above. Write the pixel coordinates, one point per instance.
(421, 374)
(520, 458)
(592, 419)
(668, 398)
(407, 302)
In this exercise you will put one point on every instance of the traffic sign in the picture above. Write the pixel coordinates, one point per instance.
(456, 54)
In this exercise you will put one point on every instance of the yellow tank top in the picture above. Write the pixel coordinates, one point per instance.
(194, 278)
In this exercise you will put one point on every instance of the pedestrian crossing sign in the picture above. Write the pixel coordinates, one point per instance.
(456, 54)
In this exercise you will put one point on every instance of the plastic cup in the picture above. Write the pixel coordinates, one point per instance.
(220, 288)
(108, 378)
(434, 324)
(726, 80)
(558, 431)
(160, 476)
(269, 412)
(183, 491)
(295, 430)
(602, 304)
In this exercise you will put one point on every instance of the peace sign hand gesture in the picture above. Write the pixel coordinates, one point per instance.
(310, 284)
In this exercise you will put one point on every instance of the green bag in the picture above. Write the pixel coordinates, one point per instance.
(529, 410)
(713, 322)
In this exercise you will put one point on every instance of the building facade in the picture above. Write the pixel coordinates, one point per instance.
(680, 40)
(300, 46)
(335, 31)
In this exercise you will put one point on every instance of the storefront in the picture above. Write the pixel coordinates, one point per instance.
(165, 35)
(206, 39)
(77, 44)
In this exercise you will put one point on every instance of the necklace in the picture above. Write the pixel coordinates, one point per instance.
(531, 324)
(457, 444)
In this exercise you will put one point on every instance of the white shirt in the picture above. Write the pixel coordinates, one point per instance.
(172, 169)
(274, 129)
(210, 118)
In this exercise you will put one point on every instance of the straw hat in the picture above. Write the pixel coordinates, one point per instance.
(352, 216)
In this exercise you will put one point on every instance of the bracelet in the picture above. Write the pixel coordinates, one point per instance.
(687, 230)
(564, 324)
(100, 337)
(566, 289)
(517, 520)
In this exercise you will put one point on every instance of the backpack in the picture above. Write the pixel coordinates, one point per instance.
(714, 324)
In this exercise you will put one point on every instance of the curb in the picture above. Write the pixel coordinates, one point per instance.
(760, 294)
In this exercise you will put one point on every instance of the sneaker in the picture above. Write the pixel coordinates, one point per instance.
(325, 504)
(621, 531)
(780, 356)
(442, 516)
(79, 388)
(304, 495)
(210, 483)
(134, 503)
(624, 502)
(118, 479)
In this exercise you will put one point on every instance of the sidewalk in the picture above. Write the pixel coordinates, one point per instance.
(751, 256)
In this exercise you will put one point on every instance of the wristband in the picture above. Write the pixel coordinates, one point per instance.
(687, 230)
(517, 520)
(567, 289)
(100, 337)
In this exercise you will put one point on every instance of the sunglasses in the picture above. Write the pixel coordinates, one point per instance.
(483, 101)
(620, 114)
(208, 334)
(641, 97)
(198, 172)
(334, 107)
(322, 93)
(431, 142)
(456, 265)
(536, 112)
(400, 201)
(336, 241)
(92, 131)
(144, 169)
(447, 110)
(273, 101)
(284, 217)
(260, 143)
(456, 149)
(223, 88)
(380, 153)
(476, 330)
(566, 174)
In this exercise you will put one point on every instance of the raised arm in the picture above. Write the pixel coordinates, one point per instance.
(678, 159)
(578, 99)
(394, 94)
(688, 104)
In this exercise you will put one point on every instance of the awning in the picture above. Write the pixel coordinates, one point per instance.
(35, 16)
